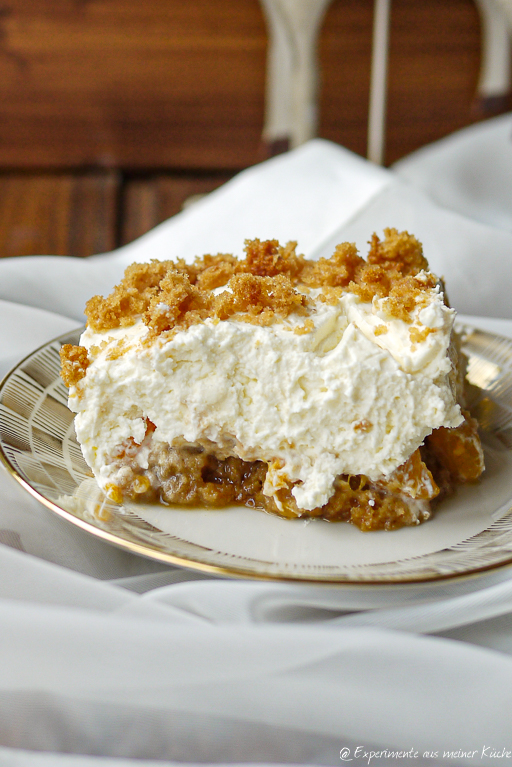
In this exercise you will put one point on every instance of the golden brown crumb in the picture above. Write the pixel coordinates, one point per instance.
(302, 330)
(217, 271)
(404, 296)
(177, 303)
(330, 295)
(418, 336)
(363, 425)
(129, 299)
(74, 363)
(380, 330)
(335, 272)
(269, 259)
(94, 350)
(399, 252)
(256, 295)
(261, 288)
(371, 282)
(118, 349)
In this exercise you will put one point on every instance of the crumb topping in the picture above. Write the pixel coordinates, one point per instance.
(417, 336)
(74, 363)
(269, 259)
(302, 330)
(258, 295)
(338, 271)
(130, 298)
(270, 283)
(363, 425)
(398, 251)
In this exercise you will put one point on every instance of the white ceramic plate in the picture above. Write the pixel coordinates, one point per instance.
(469, 533)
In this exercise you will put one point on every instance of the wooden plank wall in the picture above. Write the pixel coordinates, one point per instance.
(112, 112)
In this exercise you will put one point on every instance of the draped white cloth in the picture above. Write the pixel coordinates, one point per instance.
(110, 659)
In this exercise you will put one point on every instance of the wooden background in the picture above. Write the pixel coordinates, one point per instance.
(113, 112)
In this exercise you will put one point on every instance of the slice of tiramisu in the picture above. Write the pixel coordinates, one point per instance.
(311, 389)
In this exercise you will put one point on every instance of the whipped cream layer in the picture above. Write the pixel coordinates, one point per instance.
(354, 395)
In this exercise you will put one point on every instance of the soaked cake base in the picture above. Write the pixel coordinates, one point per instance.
(194, 475)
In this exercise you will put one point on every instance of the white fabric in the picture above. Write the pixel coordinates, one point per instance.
(469, 172)
(110, 659)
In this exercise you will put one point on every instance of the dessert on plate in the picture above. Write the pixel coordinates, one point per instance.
(330, 388)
